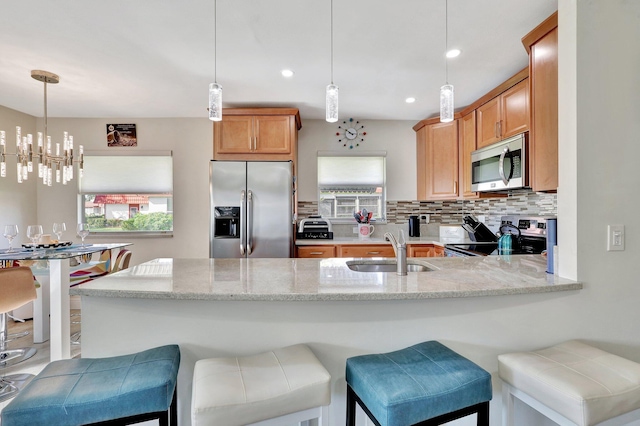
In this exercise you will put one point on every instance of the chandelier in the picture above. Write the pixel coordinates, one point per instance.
(52, 162)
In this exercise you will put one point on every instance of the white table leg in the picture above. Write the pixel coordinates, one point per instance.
(41, 311)
(60, 342)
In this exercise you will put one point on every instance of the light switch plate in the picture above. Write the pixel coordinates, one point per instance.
(615, 237)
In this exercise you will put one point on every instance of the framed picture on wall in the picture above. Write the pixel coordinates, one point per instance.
(121, 135)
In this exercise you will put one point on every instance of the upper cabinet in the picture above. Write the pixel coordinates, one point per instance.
(256, 134)
(437, 160)
(467, 129)
(542, 44)
(444, 150)
(503, 116)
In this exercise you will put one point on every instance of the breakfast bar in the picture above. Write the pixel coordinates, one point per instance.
(237, 307)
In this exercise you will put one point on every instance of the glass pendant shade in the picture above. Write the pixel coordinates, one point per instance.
(446, 103)
(332, 103)
(215, 102)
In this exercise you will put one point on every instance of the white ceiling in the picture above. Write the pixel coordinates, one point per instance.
(155, 58)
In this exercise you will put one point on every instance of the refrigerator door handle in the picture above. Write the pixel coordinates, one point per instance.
(249, 222)
(242, 221)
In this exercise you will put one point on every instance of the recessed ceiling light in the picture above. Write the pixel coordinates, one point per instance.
(287, 73)
(453, 53)
(410, 100)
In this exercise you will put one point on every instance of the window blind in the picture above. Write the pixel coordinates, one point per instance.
(356, 171)
(122, 174)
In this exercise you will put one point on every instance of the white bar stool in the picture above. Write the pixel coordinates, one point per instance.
(279, 387)
(572, 384)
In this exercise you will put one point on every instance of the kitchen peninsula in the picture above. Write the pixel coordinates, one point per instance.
(221, 307)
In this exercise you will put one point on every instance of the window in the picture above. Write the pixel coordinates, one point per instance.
(127, 193)
(348, 184)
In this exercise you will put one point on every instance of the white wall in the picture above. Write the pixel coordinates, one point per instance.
(190, 139)
(397, 138)
(608, 176)
(18, 202)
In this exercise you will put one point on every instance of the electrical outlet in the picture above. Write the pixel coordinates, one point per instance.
(425, 217)
(615, 237)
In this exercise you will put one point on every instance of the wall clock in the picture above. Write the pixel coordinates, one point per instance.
(351, 133)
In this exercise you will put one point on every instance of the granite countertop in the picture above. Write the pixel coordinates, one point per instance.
(291, 279)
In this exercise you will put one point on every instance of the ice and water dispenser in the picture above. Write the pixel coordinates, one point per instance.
(226, 222)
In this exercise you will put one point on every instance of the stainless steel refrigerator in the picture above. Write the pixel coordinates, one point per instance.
(251, 209)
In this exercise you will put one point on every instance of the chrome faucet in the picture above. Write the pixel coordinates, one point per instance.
(400, 249)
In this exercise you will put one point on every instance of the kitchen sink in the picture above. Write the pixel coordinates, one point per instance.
(384, 266)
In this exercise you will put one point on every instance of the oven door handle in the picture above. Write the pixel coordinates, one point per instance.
(504, 153)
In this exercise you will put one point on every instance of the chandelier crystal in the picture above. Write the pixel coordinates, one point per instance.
(53, 164)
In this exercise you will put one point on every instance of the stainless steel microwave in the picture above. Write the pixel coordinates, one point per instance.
(501, 166)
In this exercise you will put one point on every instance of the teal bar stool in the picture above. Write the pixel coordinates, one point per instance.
(119, 390)
(426, 384)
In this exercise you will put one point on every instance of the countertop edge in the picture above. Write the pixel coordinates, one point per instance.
(318, 297)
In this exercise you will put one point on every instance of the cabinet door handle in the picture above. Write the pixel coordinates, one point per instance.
(455, 187)
(255, 143)
(373, 252)
(495, 129)
(316, 253)
(500, 128)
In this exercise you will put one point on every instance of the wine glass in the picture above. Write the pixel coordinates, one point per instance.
(34, 232)
(58, 229)
(83, 231)
(10, 232)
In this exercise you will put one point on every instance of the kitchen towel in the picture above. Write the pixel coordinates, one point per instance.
(552, 240)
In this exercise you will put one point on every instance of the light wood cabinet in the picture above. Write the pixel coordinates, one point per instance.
(425, 250)
(316, 251)
(437, 152)
(467, 127)
(503, 116)
(542, 43)
(366, 250)
(256, 134)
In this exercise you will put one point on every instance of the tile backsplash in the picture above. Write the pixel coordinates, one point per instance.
(451, 212)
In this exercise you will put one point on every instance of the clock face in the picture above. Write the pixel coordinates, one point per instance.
(350, 133)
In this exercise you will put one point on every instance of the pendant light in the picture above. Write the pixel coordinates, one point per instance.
(215, 90)
(332, 89)
(446, 91)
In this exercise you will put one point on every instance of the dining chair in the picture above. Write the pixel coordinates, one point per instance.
(103, 267)
(16, 289)
(122, 260)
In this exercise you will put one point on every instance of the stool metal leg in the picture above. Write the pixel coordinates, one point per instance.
(507, 405)
(351, 407)
(173, 409)
(483, 414)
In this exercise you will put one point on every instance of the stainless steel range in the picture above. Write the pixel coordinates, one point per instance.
(530, 233)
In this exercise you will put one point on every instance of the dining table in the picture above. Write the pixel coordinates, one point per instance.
(56, 259)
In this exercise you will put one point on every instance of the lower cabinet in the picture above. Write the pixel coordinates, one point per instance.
(367, 250)
(425, 250)
(316, 251)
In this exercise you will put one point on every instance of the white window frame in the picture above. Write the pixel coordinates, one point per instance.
(167, 188)
(383, 195)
